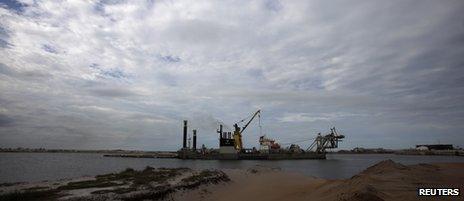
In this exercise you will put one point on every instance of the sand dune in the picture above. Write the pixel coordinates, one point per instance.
(386, 180)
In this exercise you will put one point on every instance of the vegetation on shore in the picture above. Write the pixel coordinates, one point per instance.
(147, 184)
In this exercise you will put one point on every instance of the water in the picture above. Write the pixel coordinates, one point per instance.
(24, 167)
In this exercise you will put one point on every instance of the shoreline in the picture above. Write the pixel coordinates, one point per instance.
(173, 154)
(385, 180)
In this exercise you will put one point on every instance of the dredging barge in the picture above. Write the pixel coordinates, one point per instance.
(231, 146)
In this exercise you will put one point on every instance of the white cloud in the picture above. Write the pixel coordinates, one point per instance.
(307, 117)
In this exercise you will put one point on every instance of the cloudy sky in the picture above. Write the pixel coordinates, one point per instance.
(124, 74)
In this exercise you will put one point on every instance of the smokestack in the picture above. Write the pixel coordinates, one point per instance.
(185, 134)
(220, 131)
(194, 139)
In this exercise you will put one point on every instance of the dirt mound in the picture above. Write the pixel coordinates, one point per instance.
(383, 167)
(365, 193)
(372, 182)
(384, 181)
(380, 180)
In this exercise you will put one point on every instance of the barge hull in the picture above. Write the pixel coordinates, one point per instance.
(272, 156)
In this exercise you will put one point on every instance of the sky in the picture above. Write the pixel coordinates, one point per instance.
(115, 74)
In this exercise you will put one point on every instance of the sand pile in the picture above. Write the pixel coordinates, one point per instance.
(388, 180)
(383, 167)
(385, 180)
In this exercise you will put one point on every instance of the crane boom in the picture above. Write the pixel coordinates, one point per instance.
(248, 123)
(238, 132)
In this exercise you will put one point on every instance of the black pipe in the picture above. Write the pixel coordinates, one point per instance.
(220, 131)
(194, 139)
(220, 134)
(185, 134)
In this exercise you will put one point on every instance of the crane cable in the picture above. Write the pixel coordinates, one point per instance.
(299, 141)
(259, 121)
(259, 124)
(241, 121)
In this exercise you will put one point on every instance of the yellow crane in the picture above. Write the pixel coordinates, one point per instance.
(238, 131)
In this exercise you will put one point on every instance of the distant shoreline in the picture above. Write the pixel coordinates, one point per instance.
(42, 150)
(171, 154)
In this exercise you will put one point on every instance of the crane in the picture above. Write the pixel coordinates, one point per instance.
(238, 131)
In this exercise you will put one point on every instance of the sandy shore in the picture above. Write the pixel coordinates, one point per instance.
(386, 180)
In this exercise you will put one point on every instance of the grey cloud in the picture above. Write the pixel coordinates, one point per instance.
(170, 59)
(49, 49)
(112, 92)
(385, 70)
(6, 120)
(167, 78)
(4, 44)
(4, 35)
(6, 70)
(198, 32)
(274, 5)
(111, 73)
(28, 74)
(15, 5)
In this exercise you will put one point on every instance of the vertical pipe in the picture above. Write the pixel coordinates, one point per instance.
(220, 131)
(194, 139)
(185, 135)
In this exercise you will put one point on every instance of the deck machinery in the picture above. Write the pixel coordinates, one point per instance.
(231, 146)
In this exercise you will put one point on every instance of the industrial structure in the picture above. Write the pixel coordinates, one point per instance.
(434, 147)
(231, 145)
(328, 141)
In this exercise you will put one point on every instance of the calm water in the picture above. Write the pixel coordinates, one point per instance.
(19, 167)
